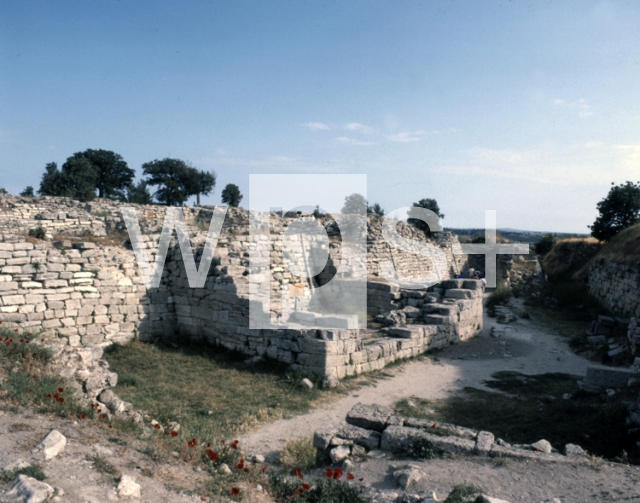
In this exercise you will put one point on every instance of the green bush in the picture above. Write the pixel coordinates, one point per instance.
(500, 296)
(422, 448)
(283, 490)
(34, 471)
(463, 493)
(545, 244)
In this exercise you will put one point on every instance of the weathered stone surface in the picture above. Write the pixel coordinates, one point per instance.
(408, 476)
(365, 438)
(30, 490)
(574, 450)
(339, 453)
(484, 442)
(542, 446)
(53, 444)
(128, 488)
(371, 417)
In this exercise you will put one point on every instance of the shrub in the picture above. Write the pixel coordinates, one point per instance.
(34, 471)
(422, 448)
(464, 493)
(499, 296)
(298, 453)
(545, 244)
(322, 491)
(39, 232)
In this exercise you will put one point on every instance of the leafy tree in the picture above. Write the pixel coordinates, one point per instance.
(27, 192)
(80, 177)
(138, 194)
(177, 181)
(231, 195)
(3, 191)
(355, 203)
(114, 176)
(200, 182)
(52, 183)
(375, 209)
(429, 204)
(545, 244)
(619, 210)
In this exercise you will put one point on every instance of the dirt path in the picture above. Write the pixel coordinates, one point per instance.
(525, 348)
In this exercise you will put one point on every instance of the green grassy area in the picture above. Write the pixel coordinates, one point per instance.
(526, 408)
(208, 390)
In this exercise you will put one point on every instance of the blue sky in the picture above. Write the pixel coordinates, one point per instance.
(528, 108)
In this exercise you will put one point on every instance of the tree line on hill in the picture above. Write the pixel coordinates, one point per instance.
(105, 174)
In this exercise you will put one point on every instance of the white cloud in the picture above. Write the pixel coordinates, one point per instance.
(345, 140)
(581, 105)
(359, 128)
(407, 137)
(316, 126)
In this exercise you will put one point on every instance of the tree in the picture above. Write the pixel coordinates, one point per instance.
(200, 182)
(138, 194)
(544, 245)
(114, 175)
(376, 209)
(231, 195)
(429, 204)
(80, 177)
(52, 183)
(27, 192)
(177, 181)
(355, 203)
(619, 210)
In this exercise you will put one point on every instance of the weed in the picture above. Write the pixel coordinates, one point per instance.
(464, 493)
(103, 466)
(38, 233)
(422, 448)
(499, 296)
(321, 491)
(298, 453)
(34, 471)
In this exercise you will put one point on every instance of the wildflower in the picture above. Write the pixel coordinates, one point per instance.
(82, 416)
(235, 491)
(192, 442)
(174, 433)
(60, 390)
(306, 487)
(156, 426)
(166, 432)
(240, 465)
(202, 498)
(337, 473)
(263, 469)
(48, 395)
(298, 473)
(299, 491)
(433, 425)
(246, 470)
(329, 473)
(110, 426)
(351, 476)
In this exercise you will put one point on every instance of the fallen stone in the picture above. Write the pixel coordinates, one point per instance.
(330, 382)
(307, 383)
(322, 436)
(128, 488)
(574, 450)
(484, 442)
(370, 417)
(53, 444)
(408, 476)
(224, 469)
(488, 499)
(339, 453)
(542, 446)
(365, 438)
(30, 490)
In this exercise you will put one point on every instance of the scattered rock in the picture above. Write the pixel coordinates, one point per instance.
(224, 469)
(53, 444)
(488, 499)
(127, 488)
(574, 450)
(347, 466)
(610, 392)
(484, 442)
(339, 453)
(258, 458)
(307, 383)
(30, 490)
(542, 446)
(407, 476)
(330, 382)
(371, 417)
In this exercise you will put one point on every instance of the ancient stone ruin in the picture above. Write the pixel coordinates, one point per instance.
(80, 283)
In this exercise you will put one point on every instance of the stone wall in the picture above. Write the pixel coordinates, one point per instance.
(86, 289)
(617, 286)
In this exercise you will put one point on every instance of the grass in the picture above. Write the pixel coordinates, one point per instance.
(101, 465)
(422, 448)
(34, 471)
(622, 248)
(207, 390)
(526, 408)
(298, 453)
(568, 256)
(284, 490)
(500, 296)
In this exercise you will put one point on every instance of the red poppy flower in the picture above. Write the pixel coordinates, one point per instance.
(299, 491)
(156, 426)
(48, 395)
(351, 476)
(361, 479)
(264, 469)
(16, 330)
(29, 334)
(192, 442)
(42, 340)
(92, 405)
(433, 425)
(60, 390)
(298, 473)
(235, 491)
(213, 456)
(27, 342)
(329, 473)
(174, 433)
(208, 444)
(60, 399)
(104, 416)
(337, 473)
(202, 498)
(246, 470)
(166, 432)
(240, 465)
(222, 442)
(110, 426)
(306, 487)
(82, 416)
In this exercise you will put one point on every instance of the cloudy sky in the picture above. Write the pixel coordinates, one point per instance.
(528, 108)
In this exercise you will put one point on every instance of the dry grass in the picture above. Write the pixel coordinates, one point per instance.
(622, 249)
(568, 256)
